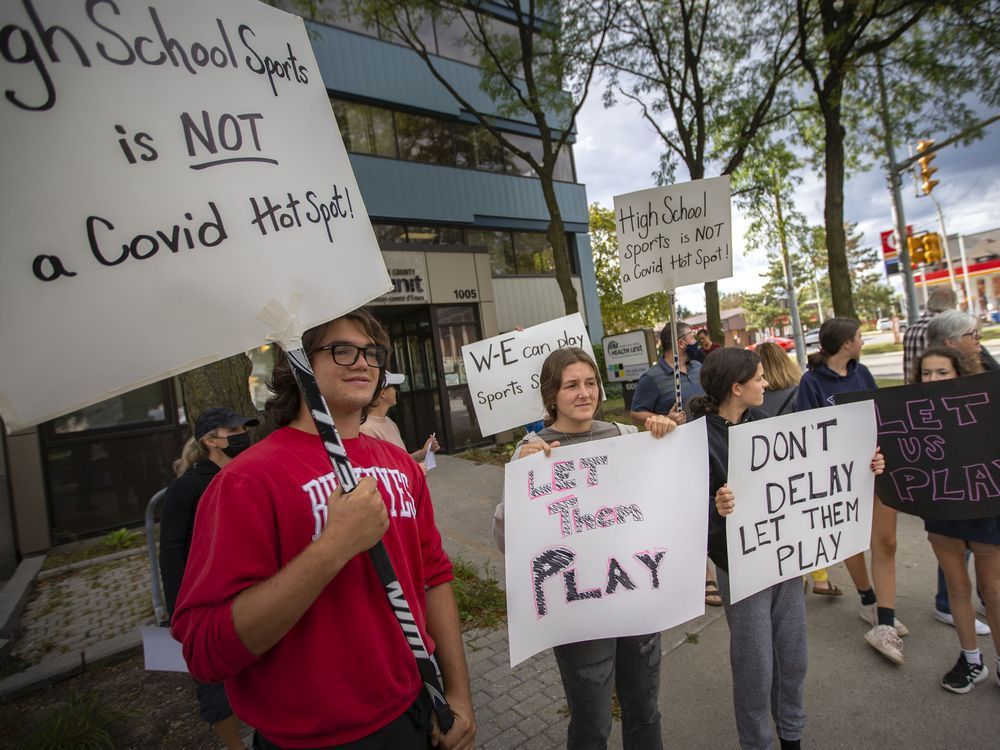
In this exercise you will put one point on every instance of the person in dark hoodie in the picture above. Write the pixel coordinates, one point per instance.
(220, 434)
(767, 651)
(835, 369)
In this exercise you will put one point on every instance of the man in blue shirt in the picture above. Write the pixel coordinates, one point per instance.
(655, 392)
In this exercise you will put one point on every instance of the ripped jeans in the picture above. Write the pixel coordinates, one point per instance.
(590, 669)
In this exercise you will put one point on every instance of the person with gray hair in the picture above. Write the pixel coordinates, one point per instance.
(960, 331)
(940, 299)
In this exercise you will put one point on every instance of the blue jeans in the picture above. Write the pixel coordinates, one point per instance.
(941, 597)
(590, 669)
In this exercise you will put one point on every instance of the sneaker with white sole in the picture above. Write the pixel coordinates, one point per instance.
(981, 627)
(964, 676)
(885, 640)
(869, 613)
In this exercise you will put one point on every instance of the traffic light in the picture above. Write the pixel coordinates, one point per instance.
(932, 248)
(926, 170)
(915, 244)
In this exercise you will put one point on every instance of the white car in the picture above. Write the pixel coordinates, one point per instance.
(884, 324)
(812, 337)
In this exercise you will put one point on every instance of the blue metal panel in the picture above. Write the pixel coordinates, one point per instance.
(394, 189)
(356, 64)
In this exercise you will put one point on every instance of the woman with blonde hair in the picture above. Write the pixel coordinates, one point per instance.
(782, 377)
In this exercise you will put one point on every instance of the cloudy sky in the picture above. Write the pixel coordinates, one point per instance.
(617, 151)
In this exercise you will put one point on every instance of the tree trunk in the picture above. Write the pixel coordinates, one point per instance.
(833, 214)
(713, 313)
(556, 234)
(224, 383)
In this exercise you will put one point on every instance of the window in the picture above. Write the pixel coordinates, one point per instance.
(476, 148)
(424, 139)
(453, 39)
(533, 253)
(500, 246)
(365, 129)
(564, 163)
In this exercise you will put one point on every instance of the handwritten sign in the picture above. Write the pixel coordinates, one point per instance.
(673, 236)
(170, 167)
(804, 488)
(597, 550)
(504, 371)
(940, 444)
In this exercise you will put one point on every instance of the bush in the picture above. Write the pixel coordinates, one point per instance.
(81, 724)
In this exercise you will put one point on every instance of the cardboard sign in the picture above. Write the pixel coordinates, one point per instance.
(597, 550)
(673, 236)
(628, 355)
(503, 371)
(171, 167)
(804, 489)
(942, 455)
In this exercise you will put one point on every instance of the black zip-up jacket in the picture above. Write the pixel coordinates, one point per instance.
(718, 474)
(177, 525)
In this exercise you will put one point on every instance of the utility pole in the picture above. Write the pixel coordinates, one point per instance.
(793, 304)
(898, 217)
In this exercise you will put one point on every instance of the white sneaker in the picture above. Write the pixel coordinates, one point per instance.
(869, 613)
(981, 627)
(885, 640)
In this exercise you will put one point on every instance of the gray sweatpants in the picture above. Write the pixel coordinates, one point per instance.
(768, 655)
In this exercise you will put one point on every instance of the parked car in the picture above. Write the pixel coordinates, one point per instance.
(786, 344)
(884, 324)
(812, 337)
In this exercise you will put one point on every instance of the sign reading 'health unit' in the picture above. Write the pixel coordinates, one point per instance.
(594, 549)
(171, 167)
(504, 371)
(803, 488)
(669, 237)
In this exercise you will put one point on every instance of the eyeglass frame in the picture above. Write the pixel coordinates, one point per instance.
(358, 350)
(975, 333)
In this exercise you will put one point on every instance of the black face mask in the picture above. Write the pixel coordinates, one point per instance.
(237, 444)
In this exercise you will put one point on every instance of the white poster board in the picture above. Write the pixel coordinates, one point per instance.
(175, 169)
(160, 652)
(669, 237)
(503, 371)
(804, 489)
(596, 549)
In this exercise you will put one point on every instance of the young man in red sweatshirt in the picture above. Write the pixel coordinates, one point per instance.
(279, 599)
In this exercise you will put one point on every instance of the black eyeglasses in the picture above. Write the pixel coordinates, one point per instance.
(346, 355)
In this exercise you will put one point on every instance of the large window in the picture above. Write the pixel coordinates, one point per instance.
(501, 249)
(376, 131)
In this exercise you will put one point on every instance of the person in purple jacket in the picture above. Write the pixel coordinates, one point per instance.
(835, 369)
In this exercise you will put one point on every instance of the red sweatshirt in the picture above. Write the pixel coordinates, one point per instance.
(344, 670)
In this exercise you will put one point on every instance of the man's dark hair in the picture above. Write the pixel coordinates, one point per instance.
(665, 340)
(284, 404)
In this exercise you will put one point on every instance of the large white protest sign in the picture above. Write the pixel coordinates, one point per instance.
(672, 236)
(503, 371)
(170, 167)
(598, 545)
(804, 489)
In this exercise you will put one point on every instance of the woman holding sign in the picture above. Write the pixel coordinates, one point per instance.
(767, 629)
(950, 539)
(571, 391)
(835, 369)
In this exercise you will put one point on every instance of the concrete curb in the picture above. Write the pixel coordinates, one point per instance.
(68, 665)
(83, 564)
(14, 594)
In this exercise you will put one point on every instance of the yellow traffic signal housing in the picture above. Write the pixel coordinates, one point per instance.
(926, 170)
(932, 248)
(915, 245)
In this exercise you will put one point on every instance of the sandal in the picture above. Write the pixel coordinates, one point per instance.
(830, 589)
(712, 596)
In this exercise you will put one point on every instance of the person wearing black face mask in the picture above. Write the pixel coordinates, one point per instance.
(220, 435)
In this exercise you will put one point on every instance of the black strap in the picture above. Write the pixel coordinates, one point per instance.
(785, 403)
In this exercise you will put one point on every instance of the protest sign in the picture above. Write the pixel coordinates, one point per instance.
(503, 371)
(161, 653)
(172, 167)
(942, 456)
(672, 236)
(628, 355)
(803, 487)
(597, 547)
